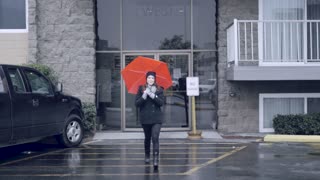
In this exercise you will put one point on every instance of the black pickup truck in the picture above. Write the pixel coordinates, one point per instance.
(32, 108)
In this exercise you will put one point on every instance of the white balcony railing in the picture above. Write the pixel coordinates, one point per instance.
(273, 42)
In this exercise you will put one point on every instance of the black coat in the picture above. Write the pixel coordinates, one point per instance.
(150, 109)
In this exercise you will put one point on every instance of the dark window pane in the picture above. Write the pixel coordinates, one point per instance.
(12, 14)
(108, 90)
(313, 105)
(108, 25)
(204, 67)
(154, 24)
(313, 13)
(16, 80)
(313, 9)
(204, 24)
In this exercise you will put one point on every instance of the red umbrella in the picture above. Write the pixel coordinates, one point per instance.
(134, 74)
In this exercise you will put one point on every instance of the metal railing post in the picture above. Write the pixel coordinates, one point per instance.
(260, 41)
(236, 55)
(305, 42)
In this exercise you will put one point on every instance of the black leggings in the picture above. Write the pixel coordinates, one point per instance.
(151, 131)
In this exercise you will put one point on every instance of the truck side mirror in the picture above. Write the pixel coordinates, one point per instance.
(59, 87)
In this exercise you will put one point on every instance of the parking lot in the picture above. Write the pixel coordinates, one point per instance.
(179, 159)
(124, 159)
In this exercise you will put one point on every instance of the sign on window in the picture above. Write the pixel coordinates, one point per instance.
(193, 86)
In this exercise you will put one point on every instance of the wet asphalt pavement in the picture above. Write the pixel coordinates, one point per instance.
(179, 159)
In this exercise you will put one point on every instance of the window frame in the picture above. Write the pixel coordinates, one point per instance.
(305, 96)
(19, 30)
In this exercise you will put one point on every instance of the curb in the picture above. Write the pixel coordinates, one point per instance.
(292, 138)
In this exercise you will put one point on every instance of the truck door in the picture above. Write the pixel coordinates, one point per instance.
(21, 105)
(5, 111)
(44, 108)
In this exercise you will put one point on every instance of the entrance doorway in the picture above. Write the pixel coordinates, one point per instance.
(176, 107)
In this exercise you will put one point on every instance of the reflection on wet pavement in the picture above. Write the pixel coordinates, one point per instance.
(123, 160)
(179, 160)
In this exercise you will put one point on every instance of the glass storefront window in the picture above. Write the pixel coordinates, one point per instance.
(154, 24)
(206, 104)
(131, 28)
(108, 25)
(108, 90)
(204, 24)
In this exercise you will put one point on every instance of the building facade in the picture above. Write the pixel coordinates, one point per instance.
(254, 58)
(268, 62)
(180, 33)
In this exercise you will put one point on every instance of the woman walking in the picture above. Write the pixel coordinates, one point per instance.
(149, 99)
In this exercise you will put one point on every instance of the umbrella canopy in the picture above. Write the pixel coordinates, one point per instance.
(134, 74)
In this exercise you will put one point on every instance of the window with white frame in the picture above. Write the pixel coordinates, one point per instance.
(13, 16)
(270, 105)
(291, 32)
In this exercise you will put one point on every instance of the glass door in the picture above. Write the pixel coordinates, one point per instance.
(131, 119)
(176, 107)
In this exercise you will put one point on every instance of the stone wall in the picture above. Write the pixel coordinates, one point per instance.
(62, 35)
(32, 34)
(238, 113)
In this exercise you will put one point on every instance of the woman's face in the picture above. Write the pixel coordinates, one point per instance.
(150, 80)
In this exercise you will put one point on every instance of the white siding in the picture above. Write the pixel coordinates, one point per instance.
(13, 48)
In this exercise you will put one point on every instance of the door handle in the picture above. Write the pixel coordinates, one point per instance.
(64, 100)
(35, 102)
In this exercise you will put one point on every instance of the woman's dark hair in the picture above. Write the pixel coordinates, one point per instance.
(152, 73)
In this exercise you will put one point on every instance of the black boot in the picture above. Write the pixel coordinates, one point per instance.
(155, 161)
(147, 158)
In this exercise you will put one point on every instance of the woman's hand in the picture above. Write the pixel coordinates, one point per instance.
(147, 90)
(153, 89)
(144, 95)
(151, 95)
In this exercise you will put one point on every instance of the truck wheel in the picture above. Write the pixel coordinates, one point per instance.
(72, 134)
